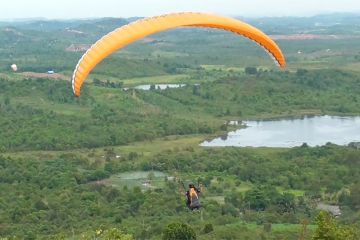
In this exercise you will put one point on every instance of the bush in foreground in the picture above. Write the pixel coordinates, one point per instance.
(179, 231)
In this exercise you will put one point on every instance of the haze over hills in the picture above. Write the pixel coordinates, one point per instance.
(327, 23)
(60, 35)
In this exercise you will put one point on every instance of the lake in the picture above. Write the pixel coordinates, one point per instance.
(159, 86)
(315, 131)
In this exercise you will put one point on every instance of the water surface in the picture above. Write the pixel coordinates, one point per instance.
(315, 131)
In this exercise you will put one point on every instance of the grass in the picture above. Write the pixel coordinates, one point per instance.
(218, 199)
(131, 82)
(11, 76)
(148, 148)
(278, 231)
(223, 68)
(295, 192)
(138, 179)
(277, 227)
(168, 54)
(352, 67)
(244, 187)
(162, 144)
(43, 103)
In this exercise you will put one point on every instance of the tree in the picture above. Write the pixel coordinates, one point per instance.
(7, 101)
(257, 199)
(196, 90)
(151, 176)
(251, 70)
(353, 198)
(286, 203)
(179, 231)
(328, 229)
(301, 72)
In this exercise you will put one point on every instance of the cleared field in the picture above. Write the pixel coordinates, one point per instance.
(157, 79)
(55, 76)
(279, 227)
(297, 193)
(145, 148)
(42, 103)
(144, 180)
(131, 82)
(223, 67)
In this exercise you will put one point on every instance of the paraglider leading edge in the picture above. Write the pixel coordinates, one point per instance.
(132, 32)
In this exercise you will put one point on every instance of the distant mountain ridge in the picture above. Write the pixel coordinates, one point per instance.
(109, 22)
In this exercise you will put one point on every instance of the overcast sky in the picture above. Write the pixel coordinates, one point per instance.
(12, 9)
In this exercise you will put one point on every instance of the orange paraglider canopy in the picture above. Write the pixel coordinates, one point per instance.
(132, 32)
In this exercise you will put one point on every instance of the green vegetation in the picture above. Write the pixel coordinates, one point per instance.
(112, 164)
(111, 117)
(178, 231)
(67, 193)
(328, 229)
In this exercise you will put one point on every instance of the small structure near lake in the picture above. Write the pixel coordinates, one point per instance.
(333, 209)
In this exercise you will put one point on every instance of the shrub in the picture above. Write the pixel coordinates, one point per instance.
(178, 231)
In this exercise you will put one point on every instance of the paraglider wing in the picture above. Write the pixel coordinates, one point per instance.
(145, 27)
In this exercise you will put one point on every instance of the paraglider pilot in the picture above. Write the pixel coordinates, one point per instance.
(192, 198)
